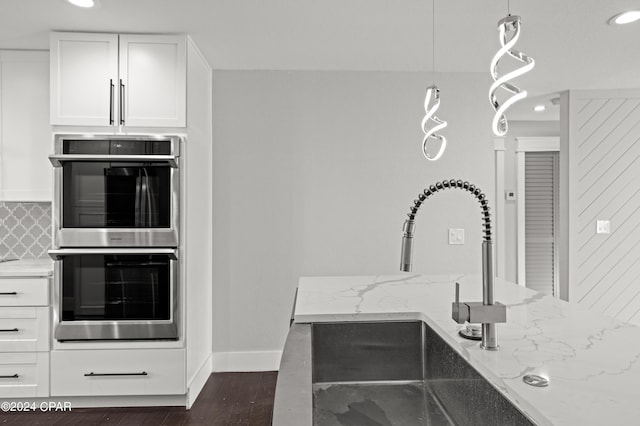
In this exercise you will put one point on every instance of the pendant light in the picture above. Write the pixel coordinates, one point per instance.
(509, 33)
(431, 105)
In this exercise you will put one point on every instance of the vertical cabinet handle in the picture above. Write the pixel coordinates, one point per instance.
(111, 93)
(9, 330)
(13, 376)
(121, 102)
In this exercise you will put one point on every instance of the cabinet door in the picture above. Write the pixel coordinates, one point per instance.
(25, 134)
(153, 75)
(84, 79)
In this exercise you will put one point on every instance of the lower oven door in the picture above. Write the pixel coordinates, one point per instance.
(116, 294)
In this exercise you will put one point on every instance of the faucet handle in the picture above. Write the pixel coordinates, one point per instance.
(459, 311)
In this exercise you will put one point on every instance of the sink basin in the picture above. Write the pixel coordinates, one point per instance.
(382, 373)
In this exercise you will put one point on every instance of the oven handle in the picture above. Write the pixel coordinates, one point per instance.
(58, 159)
(58, 254)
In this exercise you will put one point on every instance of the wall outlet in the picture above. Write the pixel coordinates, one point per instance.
(603, 227)
(456, 236)
(510, 195)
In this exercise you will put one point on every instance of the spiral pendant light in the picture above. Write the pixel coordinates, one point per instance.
(431, 105)
(430, 108)
(509, 32)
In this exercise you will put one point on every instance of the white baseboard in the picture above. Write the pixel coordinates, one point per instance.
(246, 361)
(194, 387)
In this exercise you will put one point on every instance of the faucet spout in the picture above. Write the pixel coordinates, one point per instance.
(406, 254)
(488, 312)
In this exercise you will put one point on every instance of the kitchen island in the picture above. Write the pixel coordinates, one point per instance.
(590, 360)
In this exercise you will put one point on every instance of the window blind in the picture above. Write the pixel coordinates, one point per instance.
(541, 219)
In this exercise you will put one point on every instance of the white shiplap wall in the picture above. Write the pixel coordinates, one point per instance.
(604, 179)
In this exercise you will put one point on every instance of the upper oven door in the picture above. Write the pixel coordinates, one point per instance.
(116, 192)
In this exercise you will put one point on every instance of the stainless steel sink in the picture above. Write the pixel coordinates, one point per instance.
(382, 373)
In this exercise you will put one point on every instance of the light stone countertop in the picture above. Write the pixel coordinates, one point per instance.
(27, 268)
(591, 360)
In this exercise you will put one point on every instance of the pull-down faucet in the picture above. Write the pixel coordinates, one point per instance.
(486, 312)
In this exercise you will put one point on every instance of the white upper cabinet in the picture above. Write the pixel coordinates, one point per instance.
(153, 80)
(25, 134)
(84, 76)
(118, 80)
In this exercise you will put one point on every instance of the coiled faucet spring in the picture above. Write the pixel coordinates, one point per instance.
(447, 184)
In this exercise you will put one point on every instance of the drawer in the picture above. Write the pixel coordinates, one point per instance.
(24, 329)
(24, 291)
(24, 374)
(118, 372)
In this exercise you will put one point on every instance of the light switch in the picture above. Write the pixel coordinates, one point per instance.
(603, 227)
(456, 236)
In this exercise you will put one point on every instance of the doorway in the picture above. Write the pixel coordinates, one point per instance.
(538, 213)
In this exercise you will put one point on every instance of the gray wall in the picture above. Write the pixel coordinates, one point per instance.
(313, 174)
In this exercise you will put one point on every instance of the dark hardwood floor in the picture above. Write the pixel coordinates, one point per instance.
(226, 399)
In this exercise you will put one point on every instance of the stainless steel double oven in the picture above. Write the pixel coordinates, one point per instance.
(116, 215)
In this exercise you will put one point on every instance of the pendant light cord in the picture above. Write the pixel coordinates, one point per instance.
(433, 42)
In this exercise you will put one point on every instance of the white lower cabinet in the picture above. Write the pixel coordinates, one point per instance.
(25, 319)
(24, 374)
(118, 372)
(24, 291)
(24, 329)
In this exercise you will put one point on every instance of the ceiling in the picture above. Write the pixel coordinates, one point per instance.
(570, 40)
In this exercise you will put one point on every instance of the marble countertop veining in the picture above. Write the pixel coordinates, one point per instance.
(591, 360)
(27, 268)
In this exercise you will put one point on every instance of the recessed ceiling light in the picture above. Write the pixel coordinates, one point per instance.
(82, 3)
(539, 108)
(625, 17)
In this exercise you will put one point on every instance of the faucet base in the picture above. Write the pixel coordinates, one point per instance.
(489, 337)
(490, 348)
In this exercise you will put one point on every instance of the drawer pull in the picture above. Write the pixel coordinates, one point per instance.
(92, 374)
(9, 293)
(15, 376)
(9, 330)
